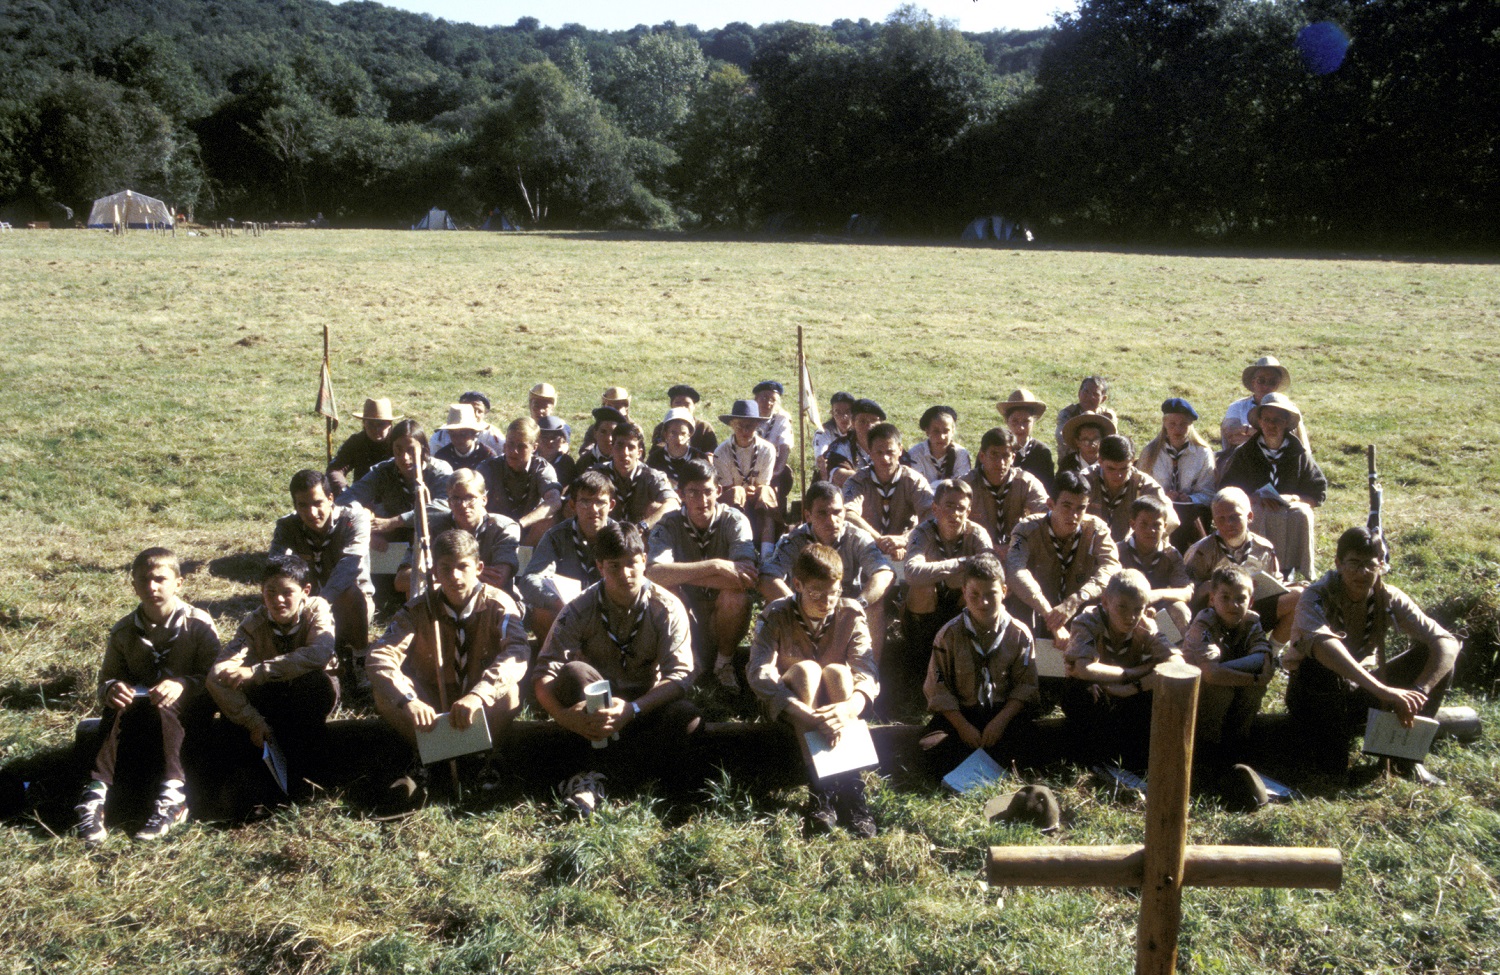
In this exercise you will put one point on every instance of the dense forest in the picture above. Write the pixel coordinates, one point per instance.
(1366, 122)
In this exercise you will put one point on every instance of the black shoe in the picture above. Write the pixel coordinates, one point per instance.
(169, 813)
(821, 817)
(407, 793)
(1244, 791)
(854, 813)
(90, 826)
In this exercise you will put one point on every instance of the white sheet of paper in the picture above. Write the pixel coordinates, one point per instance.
(855, 750)
(1049, 659)
(445, 741)
(386, 563)
(1385, 737)
(1126, 780)
(523, 558)
(565, 588)
(275, 760)
(1267, 585)
(1168, 629)
(974, 772)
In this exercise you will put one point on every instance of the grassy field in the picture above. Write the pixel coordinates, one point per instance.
(159, 391)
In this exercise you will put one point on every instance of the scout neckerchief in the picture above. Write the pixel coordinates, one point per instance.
(945, 465)
(1174, 483)
(624, 487)
(1118, 647)
(949, 550)
(813, 631)
(284, 638)
(702, 537)
(318, 544)
(1023, 451)
(1112, 502)
(886, 493)
(1066, 549)
(1273, 457)
(585, 550)
(742, 475)
(1337, 621)
(159, 637)
(516, 485)
(999, 493)
(985, 646)
(1236, 555)
(461, 618)
(624, 644)
(1148, 562)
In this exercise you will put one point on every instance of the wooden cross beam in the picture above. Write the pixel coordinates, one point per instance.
(1165, 864)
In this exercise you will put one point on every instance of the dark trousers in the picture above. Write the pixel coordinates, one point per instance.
(904, 674)
(297, 711)
(943, 750)
(1106, 728)
(658, 744)
(144, 731)
(1329, 710)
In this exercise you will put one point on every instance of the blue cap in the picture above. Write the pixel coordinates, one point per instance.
(1179, 405)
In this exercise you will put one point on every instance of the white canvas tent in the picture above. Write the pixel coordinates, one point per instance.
(133, 209)
(435, 220)
(995, 228)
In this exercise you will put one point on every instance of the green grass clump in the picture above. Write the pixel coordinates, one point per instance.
(159, 391)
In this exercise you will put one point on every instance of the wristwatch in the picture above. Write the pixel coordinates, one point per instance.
(635, 710)
(408, 698)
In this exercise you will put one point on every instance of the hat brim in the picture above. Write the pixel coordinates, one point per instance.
(1071, 428)
(998, 808)
(388, 419)
(728, 418)
(1034, 407)
(1282, 371)
(1292, 411)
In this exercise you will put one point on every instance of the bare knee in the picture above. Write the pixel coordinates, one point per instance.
(804, 678)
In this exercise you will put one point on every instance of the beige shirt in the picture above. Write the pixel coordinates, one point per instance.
(929, 565)
(192, 647)
(661, 650)
(1209, 640)
(953, 678)
(255, 646)
(780, 642)
(736, 466)
(1026, 496)
(1034, 572)
(405, 657)
(1164, 569)
(1206, 556)
(1089, 640)
(1325, 612)
(910, 500)
(1115, 510)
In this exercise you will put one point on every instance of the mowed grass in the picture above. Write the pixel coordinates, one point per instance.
(159, 391)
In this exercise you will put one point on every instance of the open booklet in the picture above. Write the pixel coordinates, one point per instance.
(445, 741)
(1049, 659)
(855, 750)
(275, 760)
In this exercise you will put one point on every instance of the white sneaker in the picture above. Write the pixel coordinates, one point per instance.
(584, 792)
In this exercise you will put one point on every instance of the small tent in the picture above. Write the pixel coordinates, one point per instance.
(134, 210)
(498, 221)
(995, 228)
(435, 220)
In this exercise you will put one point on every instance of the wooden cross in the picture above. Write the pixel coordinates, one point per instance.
(1165, 863)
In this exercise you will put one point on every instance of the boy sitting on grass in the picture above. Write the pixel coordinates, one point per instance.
(276, 678)
(1147, 552)
(705, 555)
(1112, 649)
(1114, 484)
(1058, 562)
(642, 494)
(1092, 393)
(521, 485)
(633, 634)
(484, 655)
(568, 549)
(151, 688)
(1227, 643)
(887, 498)
(1233, 543)
(813, 669)
(461, 448)
(981, 682)
(498, 536)
(1003, 492)
(1021, 409)
(742, 469)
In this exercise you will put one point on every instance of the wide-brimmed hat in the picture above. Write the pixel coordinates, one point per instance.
(608, 414)
(554, 424)
(679, 413)
(933, 412)
(1267, 362)
(1179, 405)
(1071, 428)
(1281, 402)
(461, 416)
(743, 409)
(683, 389)
(615, 394)
(1021, 399)
(868, 407)
(544, 391)
(1034, 804)
(766, 384)
(376, 409)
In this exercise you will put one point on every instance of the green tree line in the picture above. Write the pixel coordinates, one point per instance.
(1129, 120)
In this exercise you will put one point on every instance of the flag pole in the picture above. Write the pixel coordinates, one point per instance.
(328, 421)
(801, 415)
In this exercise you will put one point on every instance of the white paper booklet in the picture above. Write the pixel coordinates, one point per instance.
(445, 741)
(855, 750)
(974, 772)
(1385, 737)
(1049, 659)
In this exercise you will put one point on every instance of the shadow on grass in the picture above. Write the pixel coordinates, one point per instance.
(243, 567)
(18, 695)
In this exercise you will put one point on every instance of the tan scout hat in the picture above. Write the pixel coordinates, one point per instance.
(1281, 402)
(1267, 362)
(376, 409)
(615, 394)
(1021, 399)
(461, 417)
(1071, 428)
(1034, 804)
(544, 391)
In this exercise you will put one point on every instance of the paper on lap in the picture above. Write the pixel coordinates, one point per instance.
(1385, 737)
(445, 741)
(1049, 659)
(565, 588)
(855, 750)
(974, 772)
(388, 562)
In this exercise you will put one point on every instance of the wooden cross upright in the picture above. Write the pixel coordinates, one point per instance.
(1165, 863)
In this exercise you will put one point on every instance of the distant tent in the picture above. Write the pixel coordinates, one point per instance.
(995, 228)
(863, 225)
(435, 220)
(498, 221)
(136, 211)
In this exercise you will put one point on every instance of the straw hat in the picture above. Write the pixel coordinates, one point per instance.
(615, 395)
(1021, 399)
(1281, 402)
(1267, 362)
(544, 391)
(743, 409)
(461, 417)
(376, 409)
(1071, 428)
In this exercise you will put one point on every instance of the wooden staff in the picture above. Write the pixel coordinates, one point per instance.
(424, 557)
(801, 417)
(329, 421)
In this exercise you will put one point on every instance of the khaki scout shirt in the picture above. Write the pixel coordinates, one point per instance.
(928, 565)
(405, 658)
(255, 646)
(1325, 612)
(1027, 496)
(911, 499)
(1089, 640)
(1164, 569)
(1116, 510)
(1205, 556)
(953, 672)
(194, 646)
(780, 642)
(1033, 572)
(1209, 640)
(661, 650)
